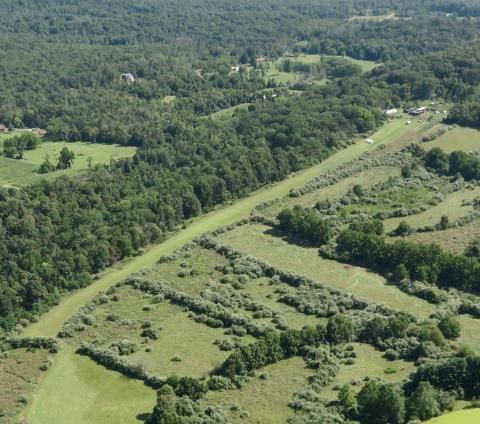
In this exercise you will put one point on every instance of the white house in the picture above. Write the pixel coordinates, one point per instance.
(391, 111)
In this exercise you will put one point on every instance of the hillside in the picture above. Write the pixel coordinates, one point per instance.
(220, 212)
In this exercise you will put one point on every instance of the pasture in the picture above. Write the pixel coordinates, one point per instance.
(15, 172)
(228, 113)
(466, 416)
(78, 391)
(456, 138)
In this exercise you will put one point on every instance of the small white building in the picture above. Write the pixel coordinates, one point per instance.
(391, 111)
(369, 141)
(235, 68)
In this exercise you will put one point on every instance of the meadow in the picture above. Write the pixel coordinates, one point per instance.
(15, 172)
(456, 138)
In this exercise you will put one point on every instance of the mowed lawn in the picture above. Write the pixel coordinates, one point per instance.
(24, 171)
(78, 391)
(265, 400)
(256, 241)
(456, 138)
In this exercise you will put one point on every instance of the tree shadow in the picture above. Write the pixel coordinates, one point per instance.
(142, 416)
(274, 232)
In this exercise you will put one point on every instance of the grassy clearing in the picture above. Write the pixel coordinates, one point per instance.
(457, 138)
(199, 355)
(51, 322)
(454, 240)
(467, 416)
(255, 240)
(78, 391)
(365, 179)
(266, 401)
(366, 65)
(202, 260)
(368, 363)
(451, 207)
(263, 292)
(228, 113)
(19, 374)
(470, 331)
(24, 171)
(374, 18)
(408, 197)
(168, 99)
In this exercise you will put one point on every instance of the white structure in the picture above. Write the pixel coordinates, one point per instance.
(369, 141)
(128, 77)
(235, 68)
(391, 111)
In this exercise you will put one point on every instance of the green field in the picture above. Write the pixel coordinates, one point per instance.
(265, 401)
(255, 240)
(366, 65)
(467, 416)
(24, 171)
(293, 77)
(78, 391)
(456, 138)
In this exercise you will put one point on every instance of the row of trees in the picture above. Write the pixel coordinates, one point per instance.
(459, 162)
(408, 260)
(15, 146)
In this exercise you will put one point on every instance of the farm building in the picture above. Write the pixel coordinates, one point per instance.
(418, 111)
(391, 111)
(128, 77)
(3, 129)
(260, 59)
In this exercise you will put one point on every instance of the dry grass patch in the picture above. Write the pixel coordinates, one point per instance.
(19, 375)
